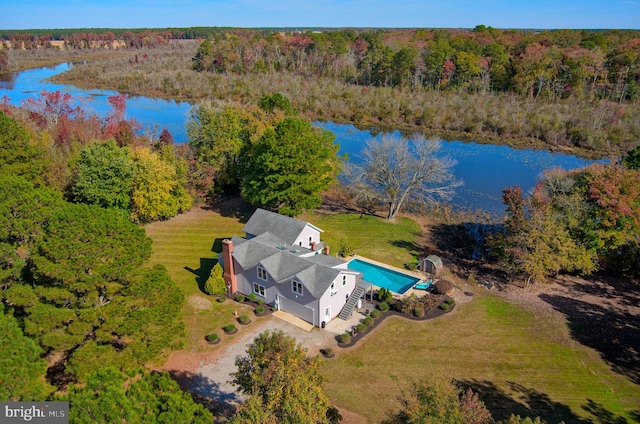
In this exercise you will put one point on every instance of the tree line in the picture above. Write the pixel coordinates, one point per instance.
(589, 111)
(550, 64)
(574, 221)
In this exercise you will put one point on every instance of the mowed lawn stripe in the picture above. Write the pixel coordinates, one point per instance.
(183, 245)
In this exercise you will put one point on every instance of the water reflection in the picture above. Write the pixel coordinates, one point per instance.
(485, 169)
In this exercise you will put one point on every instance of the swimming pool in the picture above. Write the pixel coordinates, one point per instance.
(380, 276)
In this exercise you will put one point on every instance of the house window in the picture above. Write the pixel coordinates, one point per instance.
(297, 287)
(258, 289)
(262, 273)
(333, 289)
(344, 280)
(300, 243)
(310, 240)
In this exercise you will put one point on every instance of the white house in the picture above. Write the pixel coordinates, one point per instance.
(280, 260)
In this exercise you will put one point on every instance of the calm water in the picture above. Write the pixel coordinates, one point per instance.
(485, 169)
(383, 277)
(153, 114)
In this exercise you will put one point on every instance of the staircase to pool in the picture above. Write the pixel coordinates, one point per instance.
(347, 309)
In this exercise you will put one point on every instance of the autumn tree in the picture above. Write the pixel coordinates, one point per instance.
(290, 166)
(283, 384)
(441, 402)
(222, 137)
(400, 170)
(157, 191)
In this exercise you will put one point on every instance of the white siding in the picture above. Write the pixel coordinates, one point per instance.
(338, 299)
(303, 237)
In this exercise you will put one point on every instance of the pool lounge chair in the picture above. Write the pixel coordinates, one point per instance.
(423, 285)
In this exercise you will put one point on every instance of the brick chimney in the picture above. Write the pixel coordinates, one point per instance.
(229, 274)
(313, 245)
(326, 249)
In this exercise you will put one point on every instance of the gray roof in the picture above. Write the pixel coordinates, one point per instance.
(286, 228)
(435, 260)
(315, 272)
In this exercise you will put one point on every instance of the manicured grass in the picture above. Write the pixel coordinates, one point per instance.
(516, 361)
(389, 242)
(184, 245)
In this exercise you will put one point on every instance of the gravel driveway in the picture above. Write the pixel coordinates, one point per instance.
(214, 372)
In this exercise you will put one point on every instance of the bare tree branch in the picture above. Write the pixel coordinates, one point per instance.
(396, 170)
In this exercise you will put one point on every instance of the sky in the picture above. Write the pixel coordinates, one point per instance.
(525, 14)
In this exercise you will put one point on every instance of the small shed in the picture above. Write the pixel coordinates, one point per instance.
(431, 264)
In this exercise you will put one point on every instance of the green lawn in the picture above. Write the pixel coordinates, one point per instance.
(519, 362)
(184, 245)
(516, 361)
(370, 236)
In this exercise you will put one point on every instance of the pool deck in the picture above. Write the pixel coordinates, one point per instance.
(416, 274)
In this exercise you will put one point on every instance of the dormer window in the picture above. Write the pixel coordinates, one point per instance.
(296, 287)
(262, 273)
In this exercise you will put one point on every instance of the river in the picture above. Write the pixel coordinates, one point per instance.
(485, 169)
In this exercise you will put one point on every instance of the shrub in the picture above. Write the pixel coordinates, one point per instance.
(385, 295)
(383, 306)
(412, 266)
(229, 328)
(221, 299)
(259, 310)
(260, 301)
(244, 319)
(240, 298)
(252, 297)
(328, 352)
(212, 337)
(375, 314)
(344, 338)
(367, 321)
(215, 283)
(445, 306)
(361, 328)
(418, 312)
(443, 287)
(346, 250)
(450, 301)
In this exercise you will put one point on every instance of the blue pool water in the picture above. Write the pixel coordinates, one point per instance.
(395, 281)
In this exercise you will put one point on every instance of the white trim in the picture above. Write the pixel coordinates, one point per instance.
(261, 270)
(259, 289)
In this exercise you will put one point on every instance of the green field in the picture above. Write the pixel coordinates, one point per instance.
(514, 360)
(185, 246)
(519, 362)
